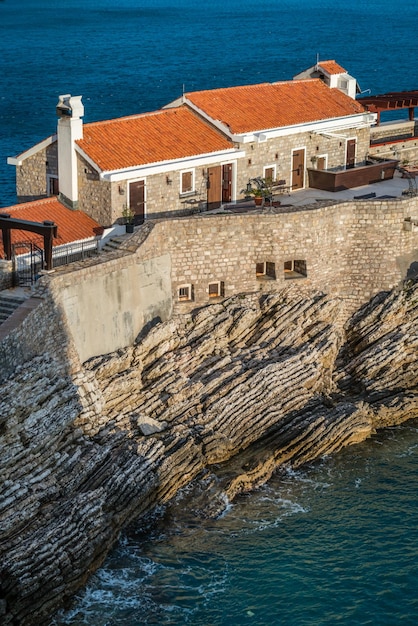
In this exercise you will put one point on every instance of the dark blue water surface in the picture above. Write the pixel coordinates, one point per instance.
(336, 543)
(130, 56)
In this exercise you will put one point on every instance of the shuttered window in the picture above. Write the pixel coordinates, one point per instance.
(187, 182)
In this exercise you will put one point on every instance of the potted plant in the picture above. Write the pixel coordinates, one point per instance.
(128, 216)
(258, 189)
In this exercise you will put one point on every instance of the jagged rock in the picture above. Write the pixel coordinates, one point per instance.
(149, 426)
(216, 400)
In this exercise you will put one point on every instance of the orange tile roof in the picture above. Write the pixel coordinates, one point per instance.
(332, 67)
(260, 107)
(72, 225)
(150, 138)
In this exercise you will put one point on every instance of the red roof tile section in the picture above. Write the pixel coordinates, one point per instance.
(332, 67)
(266, 106)
(72, 225)
(137, 140)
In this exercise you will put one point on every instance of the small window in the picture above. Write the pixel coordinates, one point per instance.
(185, 293)
(270, 174)
(187, 182)
(53, 186)
(265, 270)
(216, 290)
(295, 269)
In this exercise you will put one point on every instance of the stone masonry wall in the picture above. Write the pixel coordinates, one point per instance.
(6, 274)
(94, 195)
(352, 250)
(278, 152)
(31, 177)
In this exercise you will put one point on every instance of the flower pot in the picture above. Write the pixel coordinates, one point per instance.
(258, 201)
(129, 228)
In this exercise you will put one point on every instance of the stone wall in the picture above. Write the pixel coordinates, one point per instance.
(105, 201)
(352, 250)
(278, 152)
(94, 195)
(6, 274)
(396, 140)
(31, 177)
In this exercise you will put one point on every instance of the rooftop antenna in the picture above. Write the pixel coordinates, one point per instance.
(183, 92)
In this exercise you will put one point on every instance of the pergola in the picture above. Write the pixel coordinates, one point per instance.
(47, 229)
(391, 102)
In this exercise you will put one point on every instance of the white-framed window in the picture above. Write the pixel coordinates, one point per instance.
(321, 162)
(187, 182)
(295, 269)
(216, 289)
(265, 269)
(270, 172)
(185, 293)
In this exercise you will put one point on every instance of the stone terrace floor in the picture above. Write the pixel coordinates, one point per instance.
(387, 188)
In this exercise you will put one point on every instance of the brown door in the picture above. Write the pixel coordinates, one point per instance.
(351, 154)
(214, 187)
(298, 168)
(137, 201)
(227, 183)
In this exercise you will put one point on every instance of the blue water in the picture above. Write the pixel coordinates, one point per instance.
(336, 543)
(130, 56)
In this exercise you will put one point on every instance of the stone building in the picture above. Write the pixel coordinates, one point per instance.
(199, 151)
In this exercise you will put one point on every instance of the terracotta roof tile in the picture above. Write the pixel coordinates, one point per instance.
(150, 138)
(266, 106)
(332, 67)
(72, 225)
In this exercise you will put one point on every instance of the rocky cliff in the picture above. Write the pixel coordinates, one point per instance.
(220, 397)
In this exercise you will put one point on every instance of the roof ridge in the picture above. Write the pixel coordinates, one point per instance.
(133, 116)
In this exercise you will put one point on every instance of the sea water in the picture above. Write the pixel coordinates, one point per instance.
(335, 543)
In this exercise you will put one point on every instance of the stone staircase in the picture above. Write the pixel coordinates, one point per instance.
(113, 243)
(9, 304)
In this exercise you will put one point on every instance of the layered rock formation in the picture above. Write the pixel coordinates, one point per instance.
(221, 397)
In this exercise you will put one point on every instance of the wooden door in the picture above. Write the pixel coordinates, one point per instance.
(227, 183)
(214, 187)
(298, 169)
(350, 159)
(137, 201)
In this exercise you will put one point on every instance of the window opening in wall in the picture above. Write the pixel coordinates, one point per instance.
(185, 293)
(53, 189)
(269, 174)
(187, 182)
(267, 269)
(295, 269)
(216, 290)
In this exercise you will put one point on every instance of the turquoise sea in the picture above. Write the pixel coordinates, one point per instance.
(335, 543)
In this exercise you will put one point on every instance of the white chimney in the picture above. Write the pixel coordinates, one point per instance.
(70, 128)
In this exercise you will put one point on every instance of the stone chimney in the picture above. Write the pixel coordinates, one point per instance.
(70, 128)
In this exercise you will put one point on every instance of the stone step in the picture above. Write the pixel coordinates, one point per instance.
(113, 244)
(8, 304)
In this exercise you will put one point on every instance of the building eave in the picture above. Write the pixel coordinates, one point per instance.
(350, 122)
(149, 169)
(18, 160)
